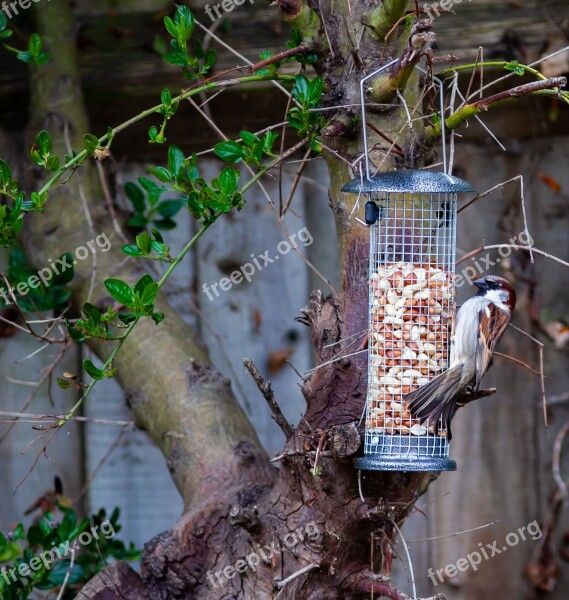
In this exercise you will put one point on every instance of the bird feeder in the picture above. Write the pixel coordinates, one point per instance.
(412, 221)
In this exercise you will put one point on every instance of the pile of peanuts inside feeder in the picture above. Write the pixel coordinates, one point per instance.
(411, 317)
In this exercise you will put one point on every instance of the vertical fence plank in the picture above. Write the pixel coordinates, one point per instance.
(64, 454)
(256, 318)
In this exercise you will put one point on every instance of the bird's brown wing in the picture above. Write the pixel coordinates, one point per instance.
(492, 322)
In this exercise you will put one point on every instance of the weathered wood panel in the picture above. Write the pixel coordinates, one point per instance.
(501, 445)
(256, 318)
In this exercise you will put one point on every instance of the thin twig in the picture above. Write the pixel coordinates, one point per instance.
(266, 390)
(533, 64)
(35, 418)
(408, 558)
(556, 469)
(442, 537)
(296, 181)
(67, 575)
(329, 362)
(234, 52)
(513, 247)
(100, 464)
(282, 582)
(109, 201)
(518, 361)
(541, 347)
(45, 377)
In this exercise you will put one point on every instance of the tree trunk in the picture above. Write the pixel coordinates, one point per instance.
(304, 531)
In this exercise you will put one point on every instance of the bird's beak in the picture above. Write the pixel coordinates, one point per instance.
(481, 284)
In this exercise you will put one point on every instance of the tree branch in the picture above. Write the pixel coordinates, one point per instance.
(384, 17)
(384, 89)
(305, 21)
(471, 110)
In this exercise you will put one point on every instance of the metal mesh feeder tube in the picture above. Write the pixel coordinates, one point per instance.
(412, 219)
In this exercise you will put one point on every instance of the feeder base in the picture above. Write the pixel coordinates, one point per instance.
(405, 463)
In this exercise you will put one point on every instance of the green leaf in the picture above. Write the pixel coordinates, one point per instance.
(209, 60)
(157, 235)
(19, 532)
(228, 180)
(153, 190)
(166, 224)
(168, 208)
(515, 67)
(36, 155)
(316, 88)
(143, 283)
(93, 371)
(35, 536)
(149, 295)
(10, 552)
(93, 313)
(74, 334)
(5, 174)
(300, 91)
(230, 152)
(59, 572)
(35, 44)
(131, 250)
(43, 141)
(170, 27)
(64, 383)
(176, 159)
(25, 57)
(42, 58)
(66, 275)
(249, 138)
(136, 196)
(159, 45)
(269, 141)
(174, 58)
(121, 291)
(166, 97)
(127, 318)
(184, 21)
(157, 317)
(161, 173)
(52, 163)
(137, 221)
(91, 142)
(143, 242)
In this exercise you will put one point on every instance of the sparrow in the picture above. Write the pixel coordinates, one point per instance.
(480, 323)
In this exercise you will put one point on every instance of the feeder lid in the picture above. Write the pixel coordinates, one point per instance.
(410, 182)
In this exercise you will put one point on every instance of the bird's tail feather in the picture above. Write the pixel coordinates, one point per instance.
(435, 400)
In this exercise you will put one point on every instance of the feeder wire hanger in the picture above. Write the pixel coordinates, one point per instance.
(438, 82)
